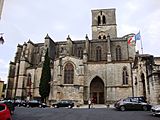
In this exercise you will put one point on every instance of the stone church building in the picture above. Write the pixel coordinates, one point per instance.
(99, 67)
(146, 77)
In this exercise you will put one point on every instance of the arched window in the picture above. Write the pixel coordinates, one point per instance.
(68, 74)
(80, 52)
(98, 53)
(118, 53)
(99, 37)
(62, 49)
(29, 79)
(99, 20)
(125, 76)
(104, 37)
(104, 19)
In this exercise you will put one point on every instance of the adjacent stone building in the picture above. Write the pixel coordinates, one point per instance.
(146, 77)
(1, 7)
(1, 89)
(99, 67)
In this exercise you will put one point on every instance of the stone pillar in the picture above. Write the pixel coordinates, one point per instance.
(85, 56)
(156, 97)
(109, 49)
(69, 46)
(87, 44)
(21, 76)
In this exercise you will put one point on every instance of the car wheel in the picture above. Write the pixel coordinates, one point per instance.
(69, 106)
(28, 106)
(122, 108)
(55, 106)
(153, 114)
(145, 108)
(40, 106)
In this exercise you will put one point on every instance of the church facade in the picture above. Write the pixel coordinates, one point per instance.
(100, 67)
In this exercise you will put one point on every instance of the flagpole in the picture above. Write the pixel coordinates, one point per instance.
(141, 46)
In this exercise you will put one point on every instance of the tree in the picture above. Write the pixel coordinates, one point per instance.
(44, 86)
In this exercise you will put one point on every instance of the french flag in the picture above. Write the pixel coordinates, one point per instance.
(131, 40)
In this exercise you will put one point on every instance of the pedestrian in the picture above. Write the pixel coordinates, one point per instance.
(89, 103)
(92, 102)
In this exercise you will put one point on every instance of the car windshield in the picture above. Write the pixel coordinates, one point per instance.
(34, 101)
(127, 100)
(66, 101)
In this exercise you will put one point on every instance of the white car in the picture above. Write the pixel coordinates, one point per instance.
(155, 110)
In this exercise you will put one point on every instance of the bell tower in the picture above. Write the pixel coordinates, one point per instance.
(103, 23)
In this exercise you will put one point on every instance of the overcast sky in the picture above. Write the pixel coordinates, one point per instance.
(33, 19)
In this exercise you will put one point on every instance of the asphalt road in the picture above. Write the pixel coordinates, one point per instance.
(80, 114)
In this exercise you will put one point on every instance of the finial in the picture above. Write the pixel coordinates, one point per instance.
(25, 43)
(68, 38)
(47, 36)
(1, 40)
(86, 37)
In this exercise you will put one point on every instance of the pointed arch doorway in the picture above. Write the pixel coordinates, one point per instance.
(97, 90)
(143, 85)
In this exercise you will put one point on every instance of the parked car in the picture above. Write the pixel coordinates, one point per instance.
(24, 103)
(63, 103)
(4, 112)
(10, 105)
(155, 110)
(132, 103)
(35, 103)
(20, 103)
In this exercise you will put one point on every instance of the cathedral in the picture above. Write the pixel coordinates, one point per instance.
(100, 67)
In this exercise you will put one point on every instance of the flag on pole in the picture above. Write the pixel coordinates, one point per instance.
(138, 36)
(131, 40)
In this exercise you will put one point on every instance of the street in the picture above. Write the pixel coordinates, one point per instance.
(22, 113)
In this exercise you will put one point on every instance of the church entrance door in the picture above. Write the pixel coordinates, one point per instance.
(97, 90)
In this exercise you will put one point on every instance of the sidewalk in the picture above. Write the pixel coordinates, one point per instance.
(96, 106)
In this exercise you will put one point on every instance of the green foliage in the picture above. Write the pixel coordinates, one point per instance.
(44, 86)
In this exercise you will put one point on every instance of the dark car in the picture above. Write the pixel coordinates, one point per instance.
(63, 103)
(9, 104)
(35, 103)
(132, 103)
(4, 112)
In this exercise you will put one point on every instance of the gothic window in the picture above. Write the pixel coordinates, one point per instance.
(68, 74)
(80, 52)
(104, 19)
(62, 49)
(98, 53)
(125, 76)
(29, 80)
(99, 20)
(99, 37)
(136, 82)
(118, 53)
(104, 37)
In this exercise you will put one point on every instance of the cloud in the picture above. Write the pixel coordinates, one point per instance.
(124, 29)
(22, 21)
(3, 64)
(3, 70)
